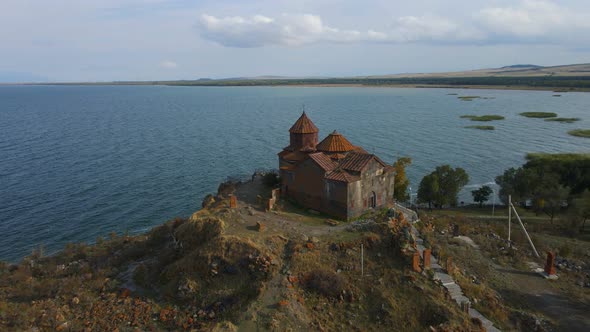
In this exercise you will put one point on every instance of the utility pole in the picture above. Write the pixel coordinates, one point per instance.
(493, 202)
(524, 229)
(509, 219)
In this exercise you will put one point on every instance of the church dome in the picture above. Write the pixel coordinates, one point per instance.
(335, 142)
(303, 126)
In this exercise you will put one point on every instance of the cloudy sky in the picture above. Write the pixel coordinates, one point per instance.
(102, 40)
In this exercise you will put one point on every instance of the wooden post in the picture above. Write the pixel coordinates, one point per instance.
(362, 261)
(525, 232)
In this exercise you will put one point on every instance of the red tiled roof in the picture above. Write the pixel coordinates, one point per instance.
(337, 156)
(303, 126)
(355, 161)
(342, 176)
(323, 161)
(335, 142)
(359, 149)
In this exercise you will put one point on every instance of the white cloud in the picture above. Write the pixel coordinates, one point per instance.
(295, 30)
(287, 29)
(431, 28)
(532, 18)
(527, 21)
(169, 64)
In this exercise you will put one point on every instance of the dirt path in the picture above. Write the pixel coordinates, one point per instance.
(532, 292)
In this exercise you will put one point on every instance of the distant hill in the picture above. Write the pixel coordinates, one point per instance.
(521, 66)
(520, 70)
(520, 76)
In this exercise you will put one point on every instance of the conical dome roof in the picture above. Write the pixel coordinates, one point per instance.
(303, 126)
(335, 142)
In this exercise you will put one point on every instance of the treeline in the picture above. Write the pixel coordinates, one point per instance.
(547, 183)
(551, 183)
(565, 82)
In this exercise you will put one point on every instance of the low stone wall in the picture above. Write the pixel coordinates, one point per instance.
(410, 214)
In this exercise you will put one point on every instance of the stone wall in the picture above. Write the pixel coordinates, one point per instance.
(372, 180)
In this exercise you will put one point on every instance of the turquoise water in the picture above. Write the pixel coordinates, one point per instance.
(77, 162)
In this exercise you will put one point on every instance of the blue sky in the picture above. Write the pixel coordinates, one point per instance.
(91, 40)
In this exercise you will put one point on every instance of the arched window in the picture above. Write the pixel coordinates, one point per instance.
(373, 200)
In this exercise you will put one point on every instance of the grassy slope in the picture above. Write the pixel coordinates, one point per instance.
(216, 271)
(500, 271)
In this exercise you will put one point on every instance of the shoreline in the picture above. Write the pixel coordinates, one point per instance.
(422, 86)
(555, 89)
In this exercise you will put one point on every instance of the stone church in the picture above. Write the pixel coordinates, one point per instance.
(332, 176)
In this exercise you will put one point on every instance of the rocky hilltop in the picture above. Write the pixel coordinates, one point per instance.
(232, 266)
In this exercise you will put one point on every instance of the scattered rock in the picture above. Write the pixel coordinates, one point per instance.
(187, 287)
(361, 225)
(125, 293)
(208, 201)
(62, 327)
(332, 222)
(250, 210)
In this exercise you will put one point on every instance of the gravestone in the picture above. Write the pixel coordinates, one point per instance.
(416, 262)
(426, 256)
(550, 264)
(270, 204)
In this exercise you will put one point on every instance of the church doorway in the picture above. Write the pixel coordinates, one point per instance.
(373, 200)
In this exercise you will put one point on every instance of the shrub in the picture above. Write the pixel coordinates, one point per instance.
(271, 179)
(324, 282)
(193, 233)
(565, 250)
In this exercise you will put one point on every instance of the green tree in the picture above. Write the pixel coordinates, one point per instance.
(482, 194)
(442, 186)
(580, 211)
(520, 183)
(401, 182)
(428, 189)
(549, 195)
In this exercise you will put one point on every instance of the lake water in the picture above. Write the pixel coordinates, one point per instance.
(77, 162)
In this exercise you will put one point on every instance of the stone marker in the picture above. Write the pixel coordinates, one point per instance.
(426, 257)
(275, 193)
(233, 202)
(550, 264)
(416, 262)
(260, 226)
(270, 204)
(465, 306)
(456, 230)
